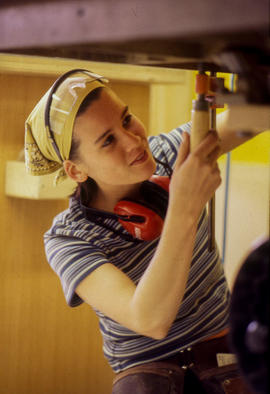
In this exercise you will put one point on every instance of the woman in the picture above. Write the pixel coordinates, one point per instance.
(162, 301)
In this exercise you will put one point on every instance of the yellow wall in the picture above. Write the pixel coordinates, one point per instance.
(256, 150)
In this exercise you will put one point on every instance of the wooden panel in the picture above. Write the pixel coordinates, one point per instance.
(170, 105)
(45, 66)
(136, 96)
(108, 22)
(46, 347)
(21, 184)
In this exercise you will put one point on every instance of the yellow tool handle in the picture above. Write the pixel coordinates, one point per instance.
(200, 117)
(200, 125)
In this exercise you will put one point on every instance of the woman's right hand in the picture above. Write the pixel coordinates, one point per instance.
(196, 175)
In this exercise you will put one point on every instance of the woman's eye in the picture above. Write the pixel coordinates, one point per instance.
(108, 141)
(127, 120)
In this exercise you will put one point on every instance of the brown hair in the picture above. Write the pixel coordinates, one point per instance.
(87, 189)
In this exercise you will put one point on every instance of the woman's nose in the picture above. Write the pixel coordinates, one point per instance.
(130, 140)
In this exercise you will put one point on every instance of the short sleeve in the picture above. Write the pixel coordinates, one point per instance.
(165, 146)
(73, 260)
(177, 133)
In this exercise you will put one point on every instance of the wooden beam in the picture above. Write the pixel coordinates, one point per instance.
(40, 24)
(37, 65)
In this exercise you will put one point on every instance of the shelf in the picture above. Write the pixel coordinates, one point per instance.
(46, 66)
(22, 185)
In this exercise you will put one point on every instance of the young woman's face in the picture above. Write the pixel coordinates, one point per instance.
(113, 146)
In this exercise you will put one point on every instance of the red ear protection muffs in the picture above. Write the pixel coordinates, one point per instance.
(144, 219)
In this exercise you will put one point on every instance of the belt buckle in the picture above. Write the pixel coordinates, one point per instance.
(186, 355)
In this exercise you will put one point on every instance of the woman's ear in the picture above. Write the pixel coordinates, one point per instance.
(74, 171)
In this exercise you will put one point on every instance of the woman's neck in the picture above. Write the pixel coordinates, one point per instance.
(107, 199)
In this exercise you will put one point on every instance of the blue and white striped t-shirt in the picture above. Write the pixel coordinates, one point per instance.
(75, 247)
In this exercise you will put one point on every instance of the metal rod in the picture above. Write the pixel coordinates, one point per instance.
(212, 202)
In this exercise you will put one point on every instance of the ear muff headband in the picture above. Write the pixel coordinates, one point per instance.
(155, 194)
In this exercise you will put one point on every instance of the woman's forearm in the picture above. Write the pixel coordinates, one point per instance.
(160, 291)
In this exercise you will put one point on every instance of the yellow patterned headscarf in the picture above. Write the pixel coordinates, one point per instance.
(48, 129)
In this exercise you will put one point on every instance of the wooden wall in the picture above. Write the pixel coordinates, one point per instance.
(46, 346)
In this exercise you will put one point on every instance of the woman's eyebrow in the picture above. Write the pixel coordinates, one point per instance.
(108, 131)
(124, 112)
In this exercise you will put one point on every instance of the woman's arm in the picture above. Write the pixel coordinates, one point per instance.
(151, 307)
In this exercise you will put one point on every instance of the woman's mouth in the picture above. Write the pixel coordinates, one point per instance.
(141, 158)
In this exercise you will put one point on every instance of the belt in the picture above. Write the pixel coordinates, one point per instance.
(203, 355)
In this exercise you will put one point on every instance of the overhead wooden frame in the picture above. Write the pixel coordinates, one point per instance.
(169, 33)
